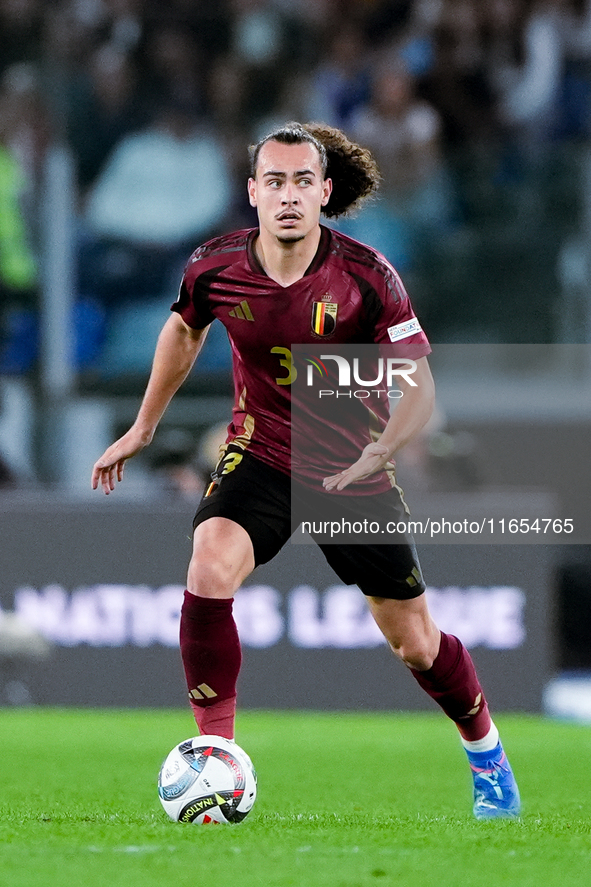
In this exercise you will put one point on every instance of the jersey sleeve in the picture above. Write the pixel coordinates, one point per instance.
(393, 320)
(193, 302)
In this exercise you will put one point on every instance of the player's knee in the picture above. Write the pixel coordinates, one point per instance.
(409, 629)
(211, 577)
(417, 652)
(420, 660)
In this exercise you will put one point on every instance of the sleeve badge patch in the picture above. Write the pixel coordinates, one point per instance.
(404, 330)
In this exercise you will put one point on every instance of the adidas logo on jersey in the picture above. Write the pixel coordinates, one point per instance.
(242, 311)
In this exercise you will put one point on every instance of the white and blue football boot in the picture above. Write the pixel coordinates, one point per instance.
(496, 795)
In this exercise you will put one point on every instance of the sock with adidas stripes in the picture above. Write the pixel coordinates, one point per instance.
(211, 654)
(453, 683)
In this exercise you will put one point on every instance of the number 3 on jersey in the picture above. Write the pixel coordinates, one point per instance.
(287, 362)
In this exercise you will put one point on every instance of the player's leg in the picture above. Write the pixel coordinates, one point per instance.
(390, 577)
(242, 521)
(222, 558)
(439, 662)
(445, 670)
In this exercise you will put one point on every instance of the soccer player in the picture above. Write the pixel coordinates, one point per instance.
(267, 286)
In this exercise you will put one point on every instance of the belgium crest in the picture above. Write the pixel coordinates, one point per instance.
(324, 317)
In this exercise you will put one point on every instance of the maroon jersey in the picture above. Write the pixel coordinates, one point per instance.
(350, 294)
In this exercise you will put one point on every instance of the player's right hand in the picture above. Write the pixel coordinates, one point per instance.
(374, 457)
(111, 464)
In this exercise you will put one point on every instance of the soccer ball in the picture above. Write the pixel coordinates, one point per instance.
(207, 779)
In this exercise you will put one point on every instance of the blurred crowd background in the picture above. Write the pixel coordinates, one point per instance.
(478, 113)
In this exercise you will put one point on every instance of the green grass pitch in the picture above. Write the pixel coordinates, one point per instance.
(345, 800)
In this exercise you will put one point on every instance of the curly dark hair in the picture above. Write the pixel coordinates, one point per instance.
(353, 170)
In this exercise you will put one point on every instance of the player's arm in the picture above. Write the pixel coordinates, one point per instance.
(410, 415)
(177, 348)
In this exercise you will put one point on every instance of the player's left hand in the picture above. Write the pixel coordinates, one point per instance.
(372, 459)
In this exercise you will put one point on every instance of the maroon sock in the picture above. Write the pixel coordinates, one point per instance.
(210, 650)
(453, 683)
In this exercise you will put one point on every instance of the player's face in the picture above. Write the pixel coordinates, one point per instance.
(289, 190)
